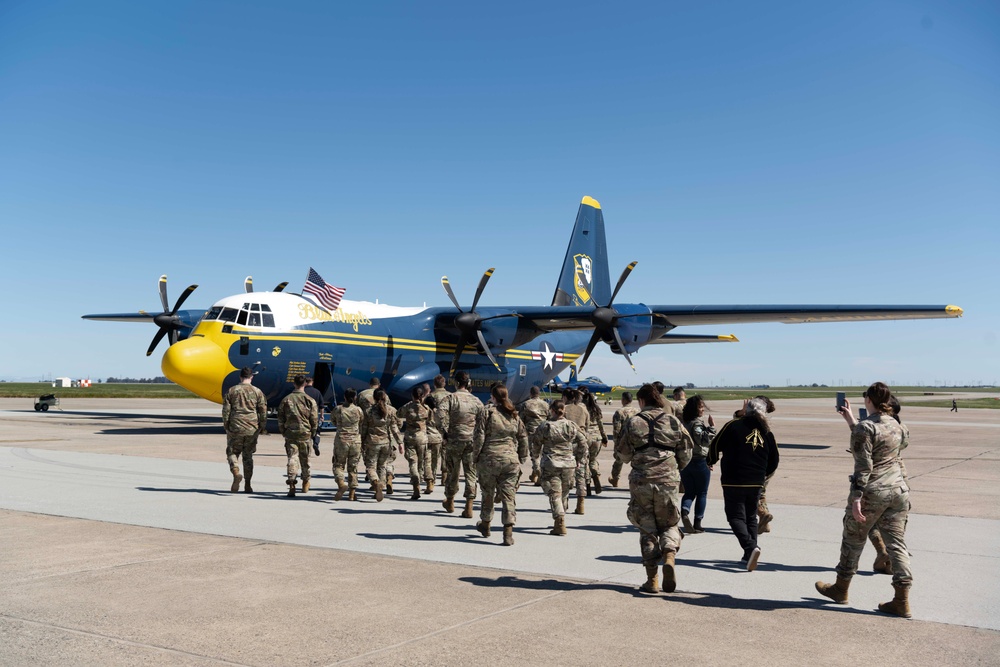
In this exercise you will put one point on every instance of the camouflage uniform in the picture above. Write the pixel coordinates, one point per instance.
(880, 482)
(298, 419)
(458, 421)
(365, 401)
(622, 415)
(244, 416)
(577, 413)
(415, 418)
(499, 446)
(656, 459)
(560, 446)
(347, 443)
(435, 434)
(377, 436)
(534, 412)
(596, 438)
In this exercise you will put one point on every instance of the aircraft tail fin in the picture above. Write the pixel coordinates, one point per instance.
(584, 279)
(572, 373)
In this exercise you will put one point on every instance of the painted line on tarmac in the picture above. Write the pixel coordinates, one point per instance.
(908, 422)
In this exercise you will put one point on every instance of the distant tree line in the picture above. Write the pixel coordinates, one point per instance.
(156, 380)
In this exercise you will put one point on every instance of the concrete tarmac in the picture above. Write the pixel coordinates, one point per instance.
(122, 545)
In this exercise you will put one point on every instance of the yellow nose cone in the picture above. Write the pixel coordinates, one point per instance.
(199, 365)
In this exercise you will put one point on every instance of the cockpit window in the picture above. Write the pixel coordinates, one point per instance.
(254, 307)
(228, 315)
(268, 319)
(254, 320)
(242, 317)
(214, 313)
(266, 308)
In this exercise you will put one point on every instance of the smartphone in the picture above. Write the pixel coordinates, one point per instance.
(841, 399)
(862, 413)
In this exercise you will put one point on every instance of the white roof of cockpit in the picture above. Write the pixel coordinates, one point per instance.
(291, 304)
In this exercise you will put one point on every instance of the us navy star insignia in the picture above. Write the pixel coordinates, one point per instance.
(546, 355)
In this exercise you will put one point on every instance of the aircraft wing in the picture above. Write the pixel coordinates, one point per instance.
(575, 317)
(694, 338)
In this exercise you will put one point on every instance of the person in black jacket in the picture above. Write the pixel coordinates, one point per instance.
(749, 455)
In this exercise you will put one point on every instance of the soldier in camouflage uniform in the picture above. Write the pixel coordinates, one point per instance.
(499, 447)
(658, 447)
(534, 412)
(596, 438)
(680, 399)
(577, 413)
(458, 422)
(365, 401)
(414, 418)
(880, 496)
(561, 446)
(622, 415)
(244, 416)
(435, 446)
(379, 434)
(347, 417)
(298, 419)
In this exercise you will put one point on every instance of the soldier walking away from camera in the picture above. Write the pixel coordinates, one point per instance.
(534, 412)
(380, 434)
(244, 416)
(596, 438)
(365, 400)
(560, 446)
(414, 417)
(347, 417)
(298, 420)
(749, 454)
(621, 416)
(880, 496)
(315, 395)
(658, 447)
(458, 422)
(577, 413)
(440, 395)
(954, 406)
(499, 447)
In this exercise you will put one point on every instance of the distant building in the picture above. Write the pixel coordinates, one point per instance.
(62, 382)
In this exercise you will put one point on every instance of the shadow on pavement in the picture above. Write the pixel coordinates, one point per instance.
(509, 581)
(422, 538)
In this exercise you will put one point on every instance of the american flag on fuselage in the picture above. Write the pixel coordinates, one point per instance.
(328, 296)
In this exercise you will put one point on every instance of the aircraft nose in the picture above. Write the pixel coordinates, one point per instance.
(199, 365)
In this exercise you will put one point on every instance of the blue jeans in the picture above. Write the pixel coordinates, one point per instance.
(695, 477)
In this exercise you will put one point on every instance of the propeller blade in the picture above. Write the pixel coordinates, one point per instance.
(621, 346)
(280, 286)
(156, 341)
(458, 355)
(590, 348)
(184, 296)
(621, 281)
(482, 285)
(486, 349)
(248, 284)
(173, 336)
(451, 295)
(163, 293)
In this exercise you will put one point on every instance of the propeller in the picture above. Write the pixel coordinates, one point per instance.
(248, 285)
(469, 323)
(167, 321)
(605, 319)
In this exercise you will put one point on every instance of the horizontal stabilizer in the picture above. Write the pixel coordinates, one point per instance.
(667, 339)
(141, 316)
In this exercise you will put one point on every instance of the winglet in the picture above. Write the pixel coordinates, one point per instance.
(590, 201)
(729, 338)
(954, 311)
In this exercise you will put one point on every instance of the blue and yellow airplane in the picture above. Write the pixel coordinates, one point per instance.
(282, 334)
(593, 384)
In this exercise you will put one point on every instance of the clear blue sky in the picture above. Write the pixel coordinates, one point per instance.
(779, 152)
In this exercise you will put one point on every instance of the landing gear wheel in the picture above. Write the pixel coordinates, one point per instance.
(44, 407)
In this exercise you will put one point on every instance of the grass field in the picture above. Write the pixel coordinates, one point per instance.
(922, 396)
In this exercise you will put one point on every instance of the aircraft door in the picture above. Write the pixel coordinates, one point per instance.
(323, 381)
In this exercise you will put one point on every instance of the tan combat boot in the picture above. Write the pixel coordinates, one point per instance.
(388, 486)
(597, 482)
(483, 528)
(508, 535)
(669, 577)
(351, 495)
(579, 505)
(379, 495)
(430, 486)
(652, 584)
(836, 592)
(883, 564)
(764, 522)
(467, 513)
(305, 484)
(560, 526)
(415, 482)
(237, 478)
(341, 487)
(613, 482)
(900, 603)
(686, 520)
(246, 485)
(291, 487)
(449, 504)
(538, 478)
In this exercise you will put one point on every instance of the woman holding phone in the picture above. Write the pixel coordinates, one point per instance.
(879, 497)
